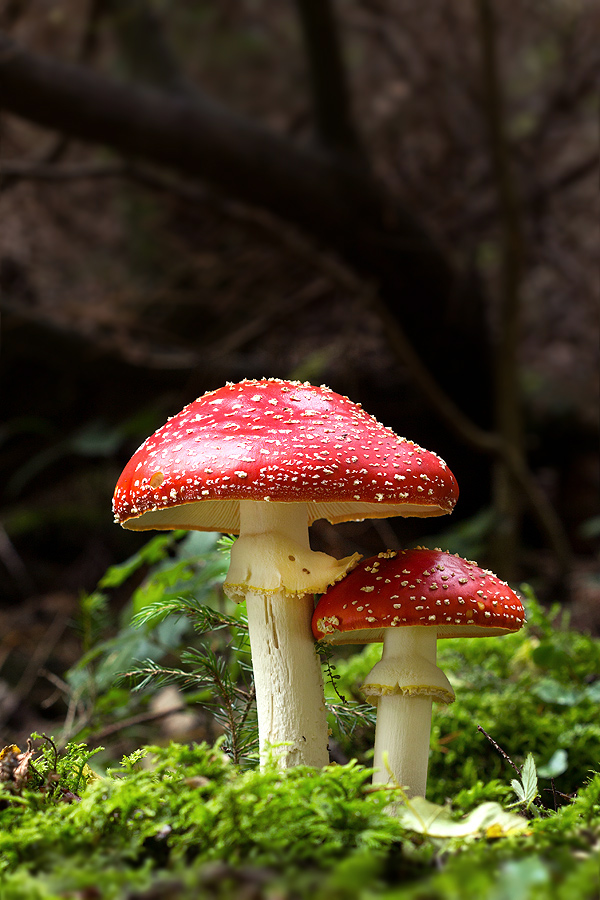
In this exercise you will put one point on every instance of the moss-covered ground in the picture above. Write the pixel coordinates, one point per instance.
(513, 807)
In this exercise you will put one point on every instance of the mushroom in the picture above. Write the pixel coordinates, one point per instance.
(408, 600)
(264, 459)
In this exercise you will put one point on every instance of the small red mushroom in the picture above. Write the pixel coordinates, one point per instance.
(408, 600)
(264, 459)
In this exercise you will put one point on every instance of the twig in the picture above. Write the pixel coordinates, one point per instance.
(140, 719)
(32, 670)
(36, 170)
(500, 750)
(14, 564)
(249, 697)
(75, 707)
(62, 688)
(533, 198)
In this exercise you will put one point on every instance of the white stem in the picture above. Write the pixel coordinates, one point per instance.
(273, 567)
(402, 742)
(263, 517)
(404, 716)
(287, 677)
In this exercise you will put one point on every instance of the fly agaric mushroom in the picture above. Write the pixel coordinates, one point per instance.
(408, 600)
(264, 459)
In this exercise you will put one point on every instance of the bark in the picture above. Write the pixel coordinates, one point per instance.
(332, 111)
(509, 426)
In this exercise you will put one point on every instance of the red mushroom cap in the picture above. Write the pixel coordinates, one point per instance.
(280, 441)
(422, 587)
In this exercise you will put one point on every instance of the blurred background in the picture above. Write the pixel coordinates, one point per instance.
(394, 198)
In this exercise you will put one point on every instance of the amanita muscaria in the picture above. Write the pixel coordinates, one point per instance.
(264, 459)
(407, 600)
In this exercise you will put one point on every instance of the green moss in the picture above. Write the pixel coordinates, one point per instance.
(184, 816)
(183, 822)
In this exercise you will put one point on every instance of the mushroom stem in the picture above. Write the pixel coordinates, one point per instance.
(402, 742)
(273, 567)
(288, 682)
(405, 682)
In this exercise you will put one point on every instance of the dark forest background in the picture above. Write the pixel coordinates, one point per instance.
(397, 199)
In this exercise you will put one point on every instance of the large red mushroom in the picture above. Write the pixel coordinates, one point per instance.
(408, 600)
(264, 459)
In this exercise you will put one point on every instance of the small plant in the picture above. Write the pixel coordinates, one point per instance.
(182, 574)
(45, 771)
(526, 787)
(346, 715)
(221, 677)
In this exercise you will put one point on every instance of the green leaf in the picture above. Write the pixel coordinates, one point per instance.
(592, 692)
(151, 553)
(529, 779)
(517, 878)
(551, 691)
(556, 765)
(518, 789)
(436, 821)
